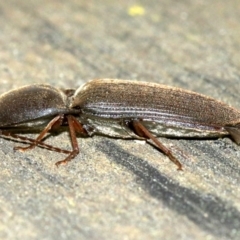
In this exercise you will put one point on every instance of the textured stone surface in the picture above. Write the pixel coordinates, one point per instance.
(118, 189)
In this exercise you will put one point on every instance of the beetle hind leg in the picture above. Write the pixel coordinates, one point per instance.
(142, 131)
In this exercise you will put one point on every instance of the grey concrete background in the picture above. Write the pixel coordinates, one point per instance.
(118, 189)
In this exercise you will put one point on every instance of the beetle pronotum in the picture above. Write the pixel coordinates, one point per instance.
(119, 109)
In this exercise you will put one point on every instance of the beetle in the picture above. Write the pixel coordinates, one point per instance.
(125, 109)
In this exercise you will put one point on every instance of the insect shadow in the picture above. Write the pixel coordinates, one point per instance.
(222, 217)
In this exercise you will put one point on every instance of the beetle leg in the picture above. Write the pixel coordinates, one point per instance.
(78, 126)
(143, 132)
(55, 121)
(74, 126)
(10, 135)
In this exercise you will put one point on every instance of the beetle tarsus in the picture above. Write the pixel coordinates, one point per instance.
(23, 149)
(66, 160)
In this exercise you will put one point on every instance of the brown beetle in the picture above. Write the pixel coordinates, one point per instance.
(128, 109)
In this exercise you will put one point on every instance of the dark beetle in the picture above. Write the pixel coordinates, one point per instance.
(121, 109)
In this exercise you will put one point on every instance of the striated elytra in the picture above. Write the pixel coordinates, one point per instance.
(119, 109)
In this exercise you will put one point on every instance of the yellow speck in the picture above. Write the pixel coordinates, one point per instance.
(136, 10)
(193, 38)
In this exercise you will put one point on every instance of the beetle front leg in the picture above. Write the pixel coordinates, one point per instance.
(57, 121)
(31, 141)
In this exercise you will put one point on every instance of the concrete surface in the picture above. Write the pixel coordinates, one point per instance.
(118, 189)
